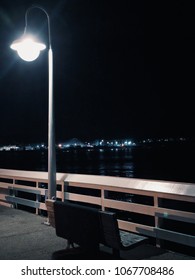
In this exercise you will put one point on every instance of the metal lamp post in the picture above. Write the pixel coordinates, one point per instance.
(29, 49)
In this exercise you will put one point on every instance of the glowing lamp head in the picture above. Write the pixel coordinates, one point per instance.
(27, 48)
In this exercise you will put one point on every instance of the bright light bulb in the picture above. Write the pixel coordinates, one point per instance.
(27, 48)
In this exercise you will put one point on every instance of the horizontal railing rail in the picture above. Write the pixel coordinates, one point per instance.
(158, 209)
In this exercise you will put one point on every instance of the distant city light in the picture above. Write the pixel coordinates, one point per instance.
(9, 148)
(113, 145)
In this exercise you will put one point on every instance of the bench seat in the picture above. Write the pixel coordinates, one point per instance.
(115, 238)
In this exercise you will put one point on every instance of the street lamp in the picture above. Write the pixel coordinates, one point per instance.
(29, 48)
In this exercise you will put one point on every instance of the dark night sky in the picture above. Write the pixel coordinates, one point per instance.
(121, 69)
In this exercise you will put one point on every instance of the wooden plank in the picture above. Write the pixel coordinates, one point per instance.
(84, 185)
(137, 228)
(145, 185)
(30, 175)
(128, 191)
(129, 206)
(5, 185)
(3, 196)
(7, 204)
(23, 201)
(42, 206)
(83, 198)
(176, 197)
(59, 194)
(29, 189)
(173, 236)
(177, 215)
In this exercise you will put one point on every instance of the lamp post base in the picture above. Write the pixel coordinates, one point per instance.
(47, 223)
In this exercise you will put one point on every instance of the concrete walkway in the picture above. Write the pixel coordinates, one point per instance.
(24, 236)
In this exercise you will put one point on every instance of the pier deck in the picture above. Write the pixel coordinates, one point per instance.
(24, 236)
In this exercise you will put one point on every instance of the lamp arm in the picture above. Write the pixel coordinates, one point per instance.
(48, 21)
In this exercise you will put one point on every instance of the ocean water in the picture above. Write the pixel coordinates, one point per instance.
(172, 162)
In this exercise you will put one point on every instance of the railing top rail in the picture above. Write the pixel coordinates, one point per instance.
(145, 185)
(157, 186)
(29, 175)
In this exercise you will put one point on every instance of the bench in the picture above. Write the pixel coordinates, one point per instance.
(88, 227)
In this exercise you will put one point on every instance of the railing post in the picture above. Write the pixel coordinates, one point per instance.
(65, 186)
(102, 198)
(37, 198)
(62, 190)
(14, 192)
(158, 221)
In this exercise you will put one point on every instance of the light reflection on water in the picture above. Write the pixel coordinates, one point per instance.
(97, 162)
(111, 162)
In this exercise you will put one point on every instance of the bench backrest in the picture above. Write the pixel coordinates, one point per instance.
(77, 223)
(110, 229)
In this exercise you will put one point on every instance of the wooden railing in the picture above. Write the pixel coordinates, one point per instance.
(159, 209)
